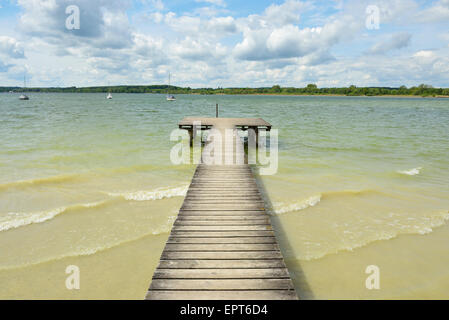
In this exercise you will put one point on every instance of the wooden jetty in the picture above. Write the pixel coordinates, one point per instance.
(222, 245)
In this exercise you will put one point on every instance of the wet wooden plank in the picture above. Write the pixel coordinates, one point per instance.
(217, 234)
(223, 222)
(186, 217)
(201, 255)
(227, 264)
(198, 212)
(237, 240)
(272, 273)
(214, 247)
(223, 295)
(221, 284)
(222, 228)
(219, 207)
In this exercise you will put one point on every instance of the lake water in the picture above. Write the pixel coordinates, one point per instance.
(87, 181)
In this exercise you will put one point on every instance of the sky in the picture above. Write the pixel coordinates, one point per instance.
(224, 43)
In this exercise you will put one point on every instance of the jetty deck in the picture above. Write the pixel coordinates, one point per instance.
(241, 123)
(222, 245)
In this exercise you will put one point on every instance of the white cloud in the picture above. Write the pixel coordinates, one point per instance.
(425, 55)
(11, 48)
(286, 13)
(288, 41)
(195, 50)
(437, 13)
(394, 42)
(220, 3)
(102, 19)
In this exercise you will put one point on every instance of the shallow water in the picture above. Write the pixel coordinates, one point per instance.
(88, 181)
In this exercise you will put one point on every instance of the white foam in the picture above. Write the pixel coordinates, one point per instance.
(280, 208)
(411, 172)
(85, 251)
(158, 194)
(421, 225)
(20, 219)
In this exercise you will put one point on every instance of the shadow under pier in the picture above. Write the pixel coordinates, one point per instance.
(297, 274)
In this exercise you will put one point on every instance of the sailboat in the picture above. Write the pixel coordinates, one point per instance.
(169, 96)
(24, 96)
(109, 97)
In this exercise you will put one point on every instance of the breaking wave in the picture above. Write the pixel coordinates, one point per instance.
(38, 181)
(80, 251)
(393, 228)
(13, 220)
(411, 172)
(158, 194)
(281, 208)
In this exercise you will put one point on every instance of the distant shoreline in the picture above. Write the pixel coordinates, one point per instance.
(253, 94)
(327, 95)
(421, 91)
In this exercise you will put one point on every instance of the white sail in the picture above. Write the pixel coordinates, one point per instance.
(24, 96)
(109, 97)
(169, 96)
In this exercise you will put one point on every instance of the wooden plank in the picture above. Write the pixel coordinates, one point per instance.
(224, 192)
(245, 255)
(223, 218)
(219, 215)
(240, 240)
(215, 264)
(242, 197)
(224, 201)
(219, 184)
(224, 187)
(216, 207)
(189, 212)
(181, 222)
(221, 284)
(218, 194)
(222, 228)
(226, 206)
(226, 178)
(217, 234)
(206, 247)
(272, 273)
(225, 197)
(228, 193)
(223, 295)
(223, 205)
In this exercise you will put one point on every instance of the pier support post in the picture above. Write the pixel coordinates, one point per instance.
(256, 135)
(191, 136)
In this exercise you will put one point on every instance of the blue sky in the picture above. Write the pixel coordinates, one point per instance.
(225, 43)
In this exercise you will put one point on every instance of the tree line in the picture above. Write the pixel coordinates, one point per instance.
(422, 90)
